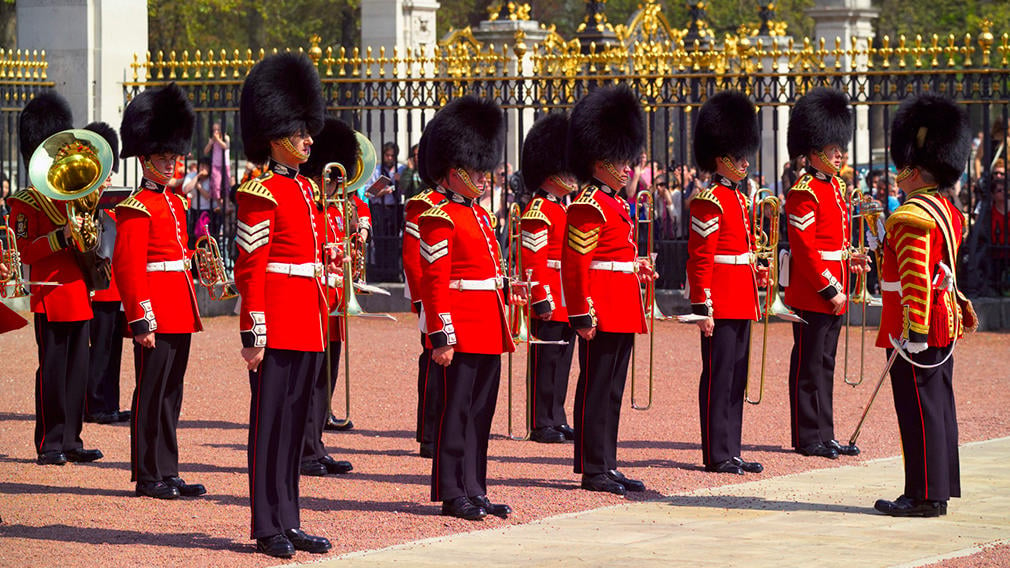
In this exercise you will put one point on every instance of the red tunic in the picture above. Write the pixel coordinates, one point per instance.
(720, 268)
(462, 282)
(151, 262)
(411, 242)
(923, 232)
(543, 238)
(601, 286)
(38, 228)
(335, 282)
(818, 216)
(279, 267)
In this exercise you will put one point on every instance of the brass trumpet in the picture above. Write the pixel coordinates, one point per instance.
(211, 271)
(868, 211)
(10, 256)
(644, 202)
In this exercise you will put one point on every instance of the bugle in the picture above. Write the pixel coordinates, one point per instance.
(644, 203)
(210, 269)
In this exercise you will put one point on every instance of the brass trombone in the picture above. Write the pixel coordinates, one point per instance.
(520, 318)
(766, 207)
(868, 211)
(644, 202)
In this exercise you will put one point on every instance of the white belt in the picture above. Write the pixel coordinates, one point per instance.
(486, 284)
(168, 266)
(307, 270)
(742, 258)
(612, 266)
(555, 264)
(833, 255)
(890, 286)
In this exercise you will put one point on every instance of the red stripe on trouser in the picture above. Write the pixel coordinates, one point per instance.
(40, 340)
(441, 425)
(424, 394)
(922, 421)
(255, 445)
(582, 418)
(135, 418)
(533, 385)
(796, 391)
(708, 408)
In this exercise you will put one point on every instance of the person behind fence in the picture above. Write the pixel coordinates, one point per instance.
(601, 276)
(216, 150)
(336, 142)
(542, 235)
(819, 222)
(463, 290)
(62, 312)
(196, 189)
(924, 312)
(722, 276)
(151, 266)
(101, 403)
(278, 273)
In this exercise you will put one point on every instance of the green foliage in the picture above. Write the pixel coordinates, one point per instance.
(941, 17)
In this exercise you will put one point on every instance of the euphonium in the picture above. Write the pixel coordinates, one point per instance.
(72, 166)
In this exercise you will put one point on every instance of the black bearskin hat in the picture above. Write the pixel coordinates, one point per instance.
(932, 132)
(544, 150)
(336, 142)
(468, 132)
(158, 120)
(43, 116)
(727, 125)
(109, 133)
(606, 124)
(820, 118)
(281, 96)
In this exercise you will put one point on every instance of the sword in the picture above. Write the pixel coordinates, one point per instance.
(883, 375)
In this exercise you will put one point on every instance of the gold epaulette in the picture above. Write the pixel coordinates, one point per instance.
(707, 195)
(185, 201)
(255, 187)
(842, 185)
(533, 212)
(908, 214)
(587, 198)
(132, 202)
(424, 196)
(316, 194)
(28, 197)
(438, 213)
(803, 184)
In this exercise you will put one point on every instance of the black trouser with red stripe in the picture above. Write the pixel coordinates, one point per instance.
(927, 420)
(429, 395)
(603, 371)
(281, 393)
(812, 378)
(548, 377)
(721, 391)
(106, 358)
(470, 387)
(157, 400)
(319, 407)
(60, 383)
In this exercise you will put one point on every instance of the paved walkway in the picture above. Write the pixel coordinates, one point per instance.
(824, 517)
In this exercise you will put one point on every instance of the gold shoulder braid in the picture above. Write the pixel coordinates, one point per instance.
(255, 187)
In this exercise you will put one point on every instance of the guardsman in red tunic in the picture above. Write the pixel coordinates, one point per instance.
(279, 274)
(151, 266)
(601, 275)
(543, 226)
(429, 375)
(463, 308)
(721, 275)
(336, 142)
(101, 404)
(62, 312)
(818, 217)
(924, 313)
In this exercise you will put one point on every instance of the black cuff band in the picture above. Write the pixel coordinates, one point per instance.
(701, 310)
(140, 327)
(248, 339)
(828, 292)
(581, 322)
(916, 337)
(61, 238)
(543, 307)
(438, 339)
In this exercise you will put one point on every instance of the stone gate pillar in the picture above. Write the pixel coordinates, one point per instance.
(89, 45)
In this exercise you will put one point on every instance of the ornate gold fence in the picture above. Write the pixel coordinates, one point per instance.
(22, 75)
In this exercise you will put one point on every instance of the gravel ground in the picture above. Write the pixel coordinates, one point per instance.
(87, 515)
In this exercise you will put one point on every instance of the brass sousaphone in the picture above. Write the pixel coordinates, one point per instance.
(72, 166)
